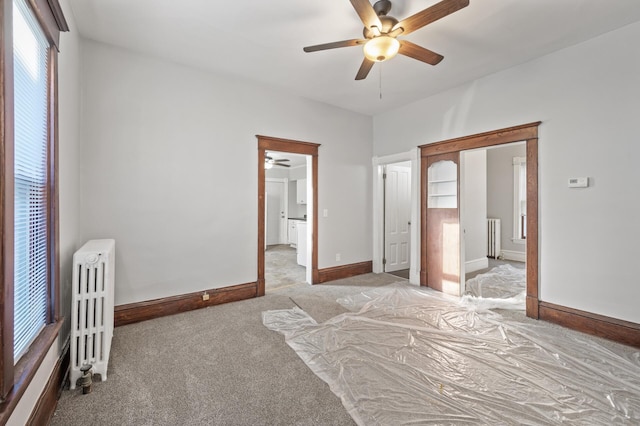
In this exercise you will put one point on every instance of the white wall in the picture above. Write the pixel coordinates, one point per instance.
(473, 170)
(152, 134)
(587, 97)
(500, 190)
(68, 152)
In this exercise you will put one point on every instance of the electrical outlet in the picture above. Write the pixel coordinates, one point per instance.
(337, 257)
(205, 297)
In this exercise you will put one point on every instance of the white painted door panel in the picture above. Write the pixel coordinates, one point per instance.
(397, 217)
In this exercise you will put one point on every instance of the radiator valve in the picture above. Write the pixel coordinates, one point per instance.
(86, 379)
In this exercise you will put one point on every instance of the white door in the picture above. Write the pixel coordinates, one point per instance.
(275, 208)
(397, 216)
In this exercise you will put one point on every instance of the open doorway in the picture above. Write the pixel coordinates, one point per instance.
(440, 228)
(309, 255)
(395, 215)
(493, 223)
(286, 208)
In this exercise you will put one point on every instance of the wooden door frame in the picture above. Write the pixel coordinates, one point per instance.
(268, 143)
(529, 134)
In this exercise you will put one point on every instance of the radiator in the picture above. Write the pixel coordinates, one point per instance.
(493, 238)
(92, 307)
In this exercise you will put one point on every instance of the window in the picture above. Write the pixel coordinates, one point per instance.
(31, 177)
(28, 216)
(519, 199)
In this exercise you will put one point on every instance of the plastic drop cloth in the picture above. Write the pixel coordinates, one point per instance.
(503, 287)
(411, 356)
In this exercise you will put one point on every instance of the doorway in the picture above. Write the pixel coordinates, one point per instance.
(397, 218)
(492, 220)
(310, 150)
(407, 227)
(286, 250)
(433, 244)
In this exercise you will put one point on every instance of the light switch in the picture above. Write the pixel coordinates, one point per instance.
(581, 182)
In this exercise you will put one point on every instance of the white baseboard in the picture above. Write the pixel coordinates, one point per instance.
(516, 256)
(476, 264)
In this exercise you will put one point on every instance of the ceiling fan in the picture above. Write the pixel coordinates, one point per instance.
(381, 31)
(269, 162)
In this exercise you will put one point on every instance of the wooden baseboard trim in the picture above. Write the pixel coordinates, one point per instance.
(142, 311)
(48, 400)
(620, 331)
(344, 271)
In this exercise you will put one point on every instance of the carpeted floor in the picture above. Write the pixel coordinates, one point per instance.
(216, 366)
(222, 366)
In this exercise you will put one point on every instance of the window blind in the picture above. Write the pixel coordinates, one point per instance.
(31, 115)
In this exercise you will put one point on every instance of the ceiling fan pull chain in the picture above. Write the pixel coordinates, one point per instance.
(380, 84)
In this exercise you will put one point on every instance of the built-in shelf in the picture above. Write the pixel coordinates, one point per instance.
(442, 178)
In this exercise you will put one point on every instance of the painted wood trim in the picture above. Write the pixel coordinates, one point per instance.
(620, 331)
(6, 198)
(150, 309)
(27, 367)
(344, 271)
(516, 256)
(532, 249)
(48, 400)
(267, 143)
(482, 140)
(315, 275)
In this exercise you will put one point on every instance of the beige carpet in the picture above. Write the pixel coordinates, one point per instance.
(216, 366)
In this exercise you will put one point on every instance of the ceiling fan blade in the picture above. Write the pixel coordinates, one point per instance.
(334, 45)
(281, 165)
(414, 51)
(281, 160)
(364, 69)
(367, 14)
(429, 15)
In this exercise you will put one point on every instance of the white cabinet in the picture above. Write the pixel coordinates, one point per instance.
(292, 232)
(302, 244)
(301, 191)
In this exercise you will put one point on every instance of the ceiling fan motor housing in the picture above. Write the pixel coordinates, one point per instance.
(388, 22)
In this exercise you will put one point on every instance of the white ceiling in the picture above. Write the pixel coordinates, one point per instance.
(262, 41)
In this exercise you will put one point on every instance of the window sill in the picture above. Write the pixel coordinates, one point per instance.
(27, 367)
(519, 241)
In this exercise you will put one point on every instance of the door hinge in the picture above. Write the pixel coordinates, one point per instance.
(384, 176)
(384, 261)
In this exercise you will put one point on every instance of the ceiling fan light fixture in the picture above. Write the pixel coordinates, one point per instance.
(268, 165)
(381, 48)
